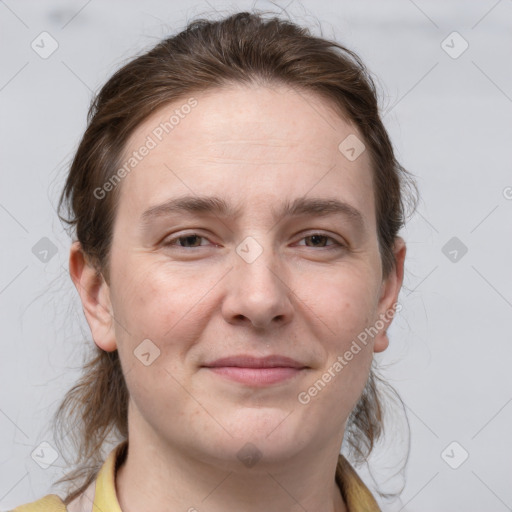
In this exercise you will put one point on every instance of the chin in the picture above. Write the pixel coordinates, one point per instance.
(274, 432)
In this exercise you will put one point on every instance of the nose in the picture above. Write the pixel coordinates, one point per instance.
(258, 293)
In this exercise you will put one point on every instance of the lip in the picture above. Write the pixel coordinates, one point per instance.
(256, 371)
(248, 361)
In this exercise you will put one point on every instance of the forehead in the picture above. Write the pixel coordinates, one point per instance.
(246, 141)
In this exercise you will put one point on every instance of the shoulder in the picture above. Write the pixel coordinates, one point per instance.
(48, 503)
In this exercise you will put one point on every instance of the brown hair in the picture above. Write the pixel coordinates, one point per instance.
(241, 48)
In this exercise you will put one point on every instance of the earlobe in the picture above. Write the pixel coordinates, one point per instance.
(381, 341)
(388, 301)
(95, 297)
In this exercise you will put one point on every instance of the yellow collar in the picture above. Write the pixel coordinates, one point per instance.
(105, 497)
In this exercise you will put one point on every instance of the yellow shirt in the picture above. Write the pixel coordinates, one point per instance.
(101, 494)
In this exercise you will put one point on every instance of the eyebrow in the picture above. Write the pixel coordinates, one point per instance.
(316, 207)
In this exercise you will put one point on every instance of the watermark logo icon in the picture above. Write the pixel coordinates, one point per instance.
(146, 352)
(454, 249)
(454, 45)
(249, 455)
(249, 249)
(44, 250)
(351, 147)
(44, 45)
(45, 455)
(454, 455)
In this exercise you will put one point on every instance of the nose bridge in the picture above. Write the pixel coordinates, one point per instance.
(257, 263)
(258, 289)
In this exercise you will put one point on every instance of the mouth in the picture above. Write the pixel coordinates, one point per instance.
(256, 371)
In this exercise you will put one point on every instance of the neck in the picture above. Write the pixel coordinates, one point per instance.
(160, 476)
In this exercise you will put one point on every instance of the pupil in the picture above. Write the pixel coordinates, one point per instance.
(190, 237)
(315, 238)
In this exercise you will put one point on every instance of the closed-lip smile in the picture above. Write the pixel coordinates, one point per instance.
(256, 371)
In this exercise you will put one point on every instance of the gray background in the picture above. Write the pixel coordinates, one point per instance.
(449, 119)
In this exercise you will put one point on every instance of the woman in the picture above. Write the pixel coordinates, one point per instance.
(237, 204)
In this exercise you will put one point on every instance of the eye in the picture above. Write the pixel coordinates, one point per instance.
(319, 240)
(193, 240)
(185, 240)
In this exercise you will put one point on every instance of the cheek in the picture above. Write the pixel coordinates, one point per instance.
(346, 306)
(346, 299)
(159, 313)
(159, 304)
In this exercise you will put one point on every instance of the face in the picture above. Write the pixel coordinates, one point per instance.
(245, 233)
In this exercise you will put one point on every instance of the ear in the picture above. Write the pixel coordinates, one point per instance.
(388, 302)
(95, 296)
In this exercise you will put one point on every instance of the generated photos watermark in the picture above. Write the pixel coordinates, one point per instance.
(152, 140)
(304, 397)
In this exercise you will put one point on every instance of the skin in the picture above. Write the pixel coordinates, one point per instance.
(198, 300)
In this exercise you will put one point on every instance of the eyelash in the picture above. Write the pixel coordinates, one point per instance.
(170, 242)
